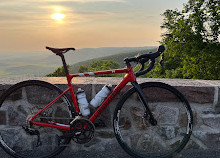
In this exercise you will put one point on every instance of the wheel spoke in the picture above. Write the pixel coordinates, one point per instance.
(21, 102)
(142, 139)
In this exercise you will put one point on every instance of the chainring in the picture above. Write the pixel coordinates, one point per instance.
(83, 130)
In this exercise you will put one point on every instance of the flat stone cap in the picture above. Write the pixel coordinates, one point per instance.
(114, 81)
(197, 91)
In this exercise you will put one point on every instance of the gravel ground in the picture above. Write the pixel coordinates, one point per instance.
(119, 153)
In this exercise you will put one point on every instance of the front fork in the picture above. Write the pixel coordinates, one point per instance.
(148, 114)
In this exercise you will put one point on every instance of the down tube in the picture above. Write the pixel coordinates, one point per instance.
(109, 98)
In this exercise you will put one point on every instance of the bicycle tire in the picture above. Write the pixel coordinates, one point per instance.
(28, 97)
(174, 121)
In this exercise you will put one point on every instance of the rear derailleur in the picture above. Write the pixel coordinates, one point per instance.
(32, 131)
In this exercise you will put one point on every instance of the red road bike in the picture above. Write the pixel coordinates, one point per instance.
(151, 119)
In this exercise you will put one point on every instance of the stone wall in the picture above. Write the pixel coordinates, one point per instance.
(204, 98)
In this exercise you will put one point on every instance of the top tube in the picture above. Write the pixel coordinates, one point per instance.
(115, 71)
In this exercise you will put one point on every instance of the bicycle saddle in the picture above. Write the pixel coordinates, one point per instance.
(59, 51)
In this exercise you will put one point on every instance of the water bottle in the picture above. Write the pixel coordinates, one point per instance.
(100, 96)
(83, 103)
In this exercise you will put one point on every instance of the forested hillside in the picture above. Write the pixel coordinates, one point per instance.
(20, 64)
(117, 59)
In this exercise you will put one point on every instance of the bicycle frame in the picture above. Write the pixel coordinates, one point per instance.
(129, 77)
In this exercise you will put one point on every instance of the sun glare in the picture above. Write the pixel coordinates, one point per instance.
(58, 9)
(58, 16)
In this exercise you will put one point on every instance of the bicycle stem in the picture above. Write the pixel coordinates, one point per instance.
(151, 118)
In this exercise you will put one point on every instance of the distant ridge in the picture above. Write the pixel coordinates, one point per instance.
(90, 53)
(117, 57)
(41, 63)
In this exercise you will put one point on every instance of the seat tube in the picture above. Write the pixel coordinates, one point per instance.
(72, 93)
(69, 83)
(64, 64)
(152, 120)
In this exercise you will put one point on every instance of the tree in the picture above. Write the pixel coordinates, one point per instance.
(192, 41)
(59, 72)
(99, 65)
(83, 68)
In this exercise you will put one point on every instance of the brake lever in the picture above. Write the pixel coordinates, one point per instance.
(142, 66)
(142, 62)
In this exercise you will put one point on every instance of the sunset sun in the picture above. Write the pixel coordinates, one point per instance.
(58, 16)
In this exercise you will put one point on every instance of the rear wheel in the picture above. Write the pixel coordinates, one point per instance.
(19, 104)
(174, 121)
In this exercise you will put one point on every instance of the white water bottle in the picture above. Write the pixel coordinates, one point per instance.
(100, 96)
(83, 103)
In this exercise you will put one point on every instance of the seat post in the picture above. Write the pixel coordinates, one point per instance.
(64, 64)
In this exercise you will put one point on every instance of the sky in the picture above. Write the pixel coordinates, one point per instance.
(30, 25)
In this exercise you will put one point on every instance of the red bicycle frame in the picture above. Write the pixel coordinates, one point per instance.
(129, 77)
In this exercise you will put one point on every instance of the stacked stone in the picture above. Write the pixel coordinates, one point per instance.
(204, 98)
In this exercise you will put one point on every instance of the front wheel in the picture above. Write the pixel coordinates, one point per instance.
(19, 104)
(173, 115)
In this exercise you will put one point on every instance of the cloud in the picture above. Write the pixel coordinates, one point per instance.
(45, 1)
(12, 17)
(86, 1)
